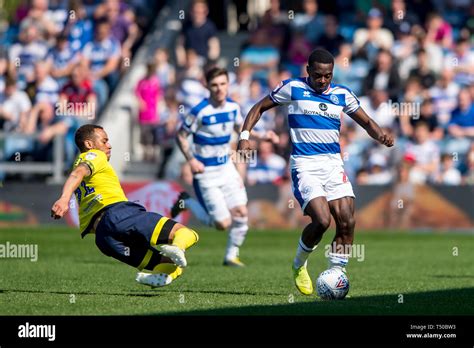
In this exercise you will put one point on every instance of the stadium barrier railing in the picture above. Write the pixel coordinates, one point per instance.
(20, 166)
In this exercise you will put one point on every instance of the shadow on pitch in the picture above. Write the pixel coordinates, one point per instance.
(453, 276)
(441, 302)
(147, 292)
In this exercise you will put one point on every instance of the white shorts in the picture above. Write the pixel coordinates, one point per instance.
(328, 180)
(220, 191)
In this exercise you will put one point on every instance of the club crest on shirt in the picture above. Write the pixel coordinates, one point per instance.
(90, 156)
(334, 99)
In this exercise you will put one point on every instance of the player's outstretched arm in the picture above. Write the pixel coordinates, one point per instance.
(251, 120)
(372, 128)
(61, 206)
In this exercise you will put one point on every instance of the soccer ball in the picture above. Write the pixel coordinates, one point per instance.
(332, 284)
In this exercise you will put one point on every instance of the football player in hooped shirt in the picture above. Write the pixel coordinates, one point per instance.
(319, 183)
(222, 198)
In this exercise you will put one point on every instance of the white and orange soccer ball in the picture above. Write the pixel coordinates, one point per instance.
(332, 284)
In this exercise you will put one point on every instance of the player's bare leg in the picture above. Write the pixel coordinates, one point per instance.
(318, 210)
(342, 210)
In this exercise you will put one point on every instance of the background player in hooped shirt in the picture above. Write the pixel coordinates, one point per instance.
(123, 230)
(320, 185)
(218, 186)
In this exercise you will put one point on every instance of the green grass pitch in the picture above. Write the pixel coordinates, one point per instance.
(401, 274)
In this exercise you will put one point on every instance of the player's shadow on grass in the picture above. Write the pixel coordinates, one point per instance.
(149, 294)
(453, 276)
(441, 302)
(145, 292)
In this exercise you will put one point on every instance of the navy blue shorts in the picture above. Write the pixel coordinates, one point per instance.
(127, 232)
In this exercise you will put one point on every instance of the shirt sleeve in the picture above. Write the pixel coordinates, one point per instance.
(190, 123)
(282, 93)
(352, 102)
(96, 160)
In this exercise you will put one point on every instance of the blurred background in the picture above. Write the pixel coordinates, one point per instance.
(136, 67)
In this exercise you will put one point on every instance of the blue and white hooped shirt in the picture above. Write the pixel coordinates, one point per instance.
(212, 129)
(314, 119)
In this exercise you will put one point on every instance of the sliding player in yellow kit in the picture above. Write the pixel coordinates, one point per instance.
(123, 230)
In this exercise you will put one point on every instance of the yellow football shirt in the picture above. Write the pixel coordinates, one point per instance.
(99, 189)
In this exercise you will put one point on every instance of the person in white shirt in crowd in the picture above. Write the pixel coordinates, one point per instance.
(425, 153)
(373, 37)
(449, 174)
(379, 174)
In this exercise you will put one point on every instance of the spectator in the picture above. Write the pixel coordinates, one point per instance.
(400, 17)
(45, 89)
(468, 175)
(439, 31)
(461, 61)
(164, 70)
(376, 105)
(79, 28)
(461, 124)
(41, 18)
(449, 174)
(25, 54)
(103, 56)
(77, 96)
(444, 95)
(298, 52)
(122, 29)
(166, 130)
(425, 153)
(275, 25)
(260, 56)
(15, 108)
(379, 173)
(374, 37)
(148, 92)
(349, 70)
(191, 82)
(311, 22)
(409, 122)
(199, 34)
(3, 73)
(331, 39)
(62, 59)
(423, 71)
(384, 76)
(404, 49)
(269, 166)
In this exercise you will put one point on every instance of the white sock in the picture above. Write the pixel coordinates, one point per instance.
(302, 254)
(237, 232)
(338, 260)
(198, 211)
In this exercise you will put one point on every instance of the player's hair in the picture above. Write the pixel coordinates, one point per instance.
(214, 72)
(320, 55)
(85, 132)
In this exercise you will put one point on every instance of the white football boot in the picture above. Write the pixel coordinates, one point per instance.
(174, 253)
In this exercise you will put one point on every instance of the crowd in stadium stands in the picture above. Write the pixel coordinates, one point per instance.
(411, 63)
(59, 62)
